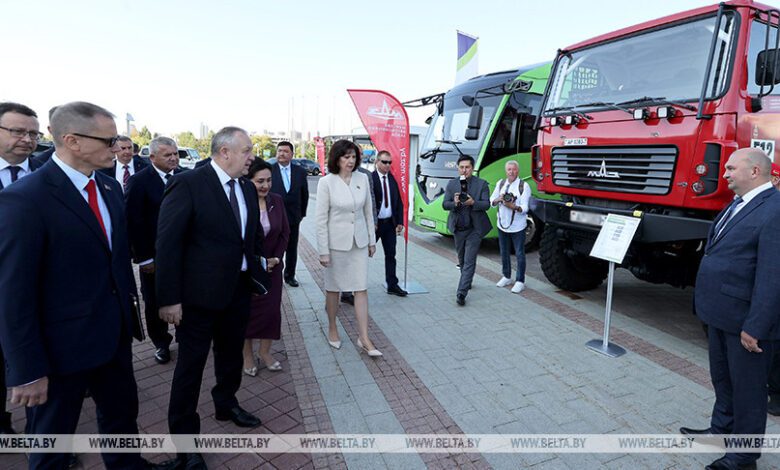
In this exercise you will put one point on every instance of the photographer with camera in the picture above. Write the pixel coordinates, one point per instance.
(468, 200)
(512, 196)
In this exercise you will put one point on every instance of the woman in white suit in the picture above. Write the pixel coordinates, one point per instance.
(346, 238)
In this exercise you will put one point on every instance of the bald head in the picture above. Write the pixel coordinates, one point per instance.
(747, 169)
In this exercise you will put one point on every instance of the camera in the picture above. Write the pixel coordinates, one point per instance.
(508, 197)
(463, 196)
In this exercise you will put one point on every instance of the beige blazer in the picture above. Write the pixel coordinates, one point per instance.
(344, 213)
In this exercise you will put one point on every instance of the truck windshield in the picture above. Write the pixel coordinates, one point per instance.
(667, 63)
(451, 125)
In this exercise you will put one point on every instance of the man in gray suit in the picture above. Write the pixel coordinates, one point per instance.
(468, 200)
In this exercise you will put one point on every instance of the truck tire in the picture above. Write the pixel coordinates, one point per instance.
(572, 273)
(533, 233)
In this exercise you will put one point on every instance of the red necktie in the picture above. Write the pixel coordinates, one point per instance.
(125, 178)
(384, 189)
(93, 204)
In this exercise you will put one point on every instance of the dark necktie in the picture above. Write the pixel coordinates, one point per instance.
(125, 178)
(167, 178)
(724, 220)
(384, 189)
(93, 204)
(234, 202)
(14, 172)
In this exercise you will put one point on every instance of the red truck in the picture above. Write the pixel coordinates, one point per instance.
(640, 122)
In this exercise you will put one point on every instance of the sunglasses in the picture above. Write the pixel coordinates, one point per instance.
(386, 162)
(109, 141)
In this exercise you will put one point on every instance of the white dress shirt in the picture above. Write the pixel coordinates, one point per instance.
(223, 180)
(119, 173)
(162, 174)
(384, 212)
(5, 171)
(80, 182)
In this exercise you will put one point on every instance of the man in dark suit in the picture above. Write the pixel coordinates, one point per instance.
(142, 205)
(205, 161)
(468, 200)
(289, 181)
(65, 288)
(18, 137)
(738, 299)
(390, 222)
(208, 258)
(126, 164)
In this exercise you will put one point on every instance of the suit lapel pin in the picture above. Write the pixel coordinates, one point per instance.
(107, 187)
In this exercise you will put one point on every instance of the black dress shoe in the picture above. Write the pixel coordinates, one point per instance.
(461, 299)
(73, 460)
(5, 424)
(239, 416)
(724, 463)
(191, 461)
(291, 282)
(695, 432)
(162, 355)
(348, 298)
(773, 408)
(396, 290)
(167, 465)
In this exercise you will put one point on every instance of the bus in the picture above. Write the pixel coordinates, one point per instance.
(490, 117)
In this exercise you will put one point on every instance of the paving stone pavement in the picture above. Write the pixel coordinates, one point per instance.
(505, 363)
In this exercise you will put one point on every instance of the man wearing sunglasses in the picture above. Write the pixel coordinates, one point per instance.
(390, 221)
(18, 138)
(65, 288)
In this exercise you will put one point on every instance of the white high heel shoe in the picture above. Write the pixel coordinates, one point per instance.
(333, 344)
(370, 352)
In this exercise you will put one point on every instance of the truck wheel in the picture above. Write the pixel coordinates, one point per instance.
(533, 233)
(572, 273)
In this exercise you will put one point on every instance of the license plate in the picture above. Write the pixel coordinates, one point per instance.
(427, 223)
(587, 218)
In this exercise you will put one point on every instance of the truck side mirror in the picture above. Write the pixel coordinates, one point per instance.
(475, 122)
(769, 75)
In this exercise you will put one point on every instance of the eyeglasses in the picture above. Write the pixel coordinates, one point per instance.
(109, 141)
(386, 162)
(35, 136)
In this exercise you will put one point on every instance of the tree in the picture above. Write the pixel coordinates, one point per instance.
(261, 143)
(141, 138)
(186, 139)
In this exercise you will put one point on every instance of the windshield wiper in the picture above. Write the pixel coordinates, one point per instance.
(568, 109)
(605, 104)
(454, 143)
(659, 99)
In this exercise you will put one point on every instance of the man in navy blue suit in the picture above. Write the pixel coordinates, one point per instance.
(65, 288)
(390, 222)
(126, 164)
(18, 137)
(289, 181)
(143, 198)
(208, 262)
(738, 299)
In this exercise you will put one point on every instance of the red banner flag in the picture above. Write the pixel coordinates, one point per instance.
(387, 124)
(319, 150)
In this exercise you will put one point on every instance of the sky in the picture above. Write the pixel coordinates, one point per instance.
(270, 65)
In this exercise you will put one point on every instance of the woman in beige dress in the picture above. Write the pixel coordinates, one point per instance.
(345, 238)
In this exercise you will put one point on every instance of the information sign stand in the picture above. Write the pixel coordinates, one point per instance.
(611, 245)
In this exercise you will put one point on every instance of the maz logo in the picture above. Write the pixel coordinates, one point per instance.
(603, 173)
(384, 112)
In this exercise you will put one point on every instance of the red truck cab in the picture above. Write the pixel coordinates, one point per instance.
(641, 121)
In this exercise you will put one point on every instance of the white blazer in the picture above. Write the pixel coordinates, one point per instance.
(344, 213)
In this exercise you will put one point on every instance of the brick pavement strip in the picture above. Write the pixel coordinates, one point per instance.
(415, 407)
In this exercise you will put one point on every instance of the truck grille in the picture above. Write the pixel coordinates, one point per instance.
(642, 170)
